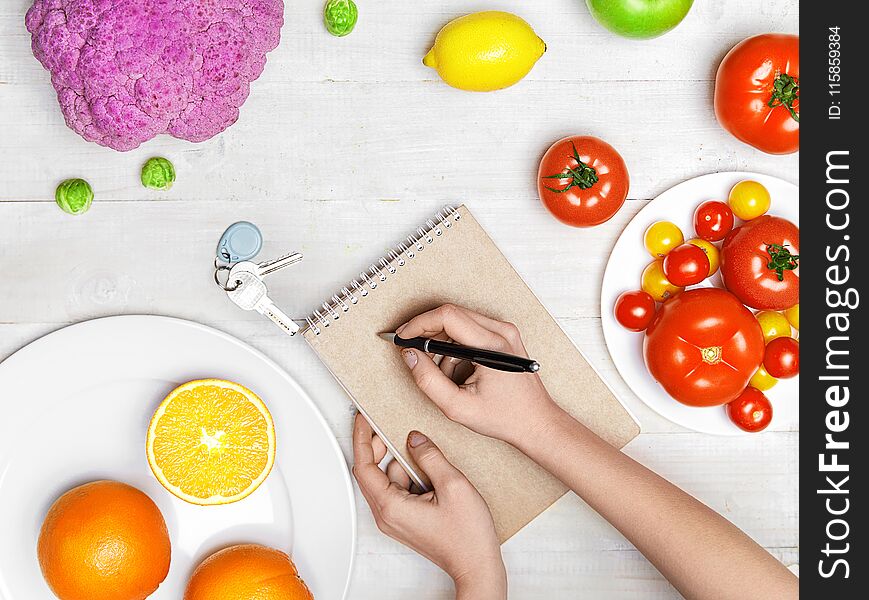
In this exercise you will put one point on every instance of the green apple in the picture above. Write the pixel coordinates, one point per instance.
(639, 19)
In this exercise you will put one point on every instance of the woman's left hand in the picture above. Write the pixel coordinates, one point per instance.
(451, 525)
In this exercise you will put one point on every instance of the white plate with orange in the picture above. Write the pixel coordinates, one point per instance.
(76, 407)
(624, 270)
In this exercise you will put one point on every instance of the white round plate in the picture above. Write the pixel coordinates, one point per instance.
(624, 269)
(75, 407)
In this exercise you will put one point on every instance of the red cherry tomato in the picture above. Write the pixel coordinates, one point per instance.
(751, 411)
(583, 181)
(703, 346)
(782, 358)
(635, 310)
(686, 265)
(713, 220)
(757, 92)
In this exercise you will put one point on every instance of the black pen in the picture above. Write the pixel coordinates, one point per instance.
(484, 358)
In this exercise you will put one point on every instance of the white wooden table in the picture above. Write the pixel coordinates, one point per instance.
(345, 145)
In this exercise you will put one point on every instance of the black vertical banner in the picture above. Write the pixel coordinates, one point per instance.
(834, 363)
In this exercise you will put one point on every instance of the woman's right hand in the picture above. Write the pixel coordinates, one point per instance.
(450, 525)
(507, 406)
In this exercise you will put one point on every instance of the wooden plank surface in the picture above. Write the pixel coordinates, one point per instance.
(344, 146)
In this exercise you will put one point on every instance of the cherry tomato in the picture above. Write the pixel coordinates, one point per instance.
(635, 310)
(793, 316)
(748, 200)
(661, 237)
(713, 220)
(582, 181)
(782, 358)
(686, 265)
(711, 253)
(773, 324)
(751, 411)
(760, 263)
(757, 92)
(656, 284)
(703, 346)
(762, 380)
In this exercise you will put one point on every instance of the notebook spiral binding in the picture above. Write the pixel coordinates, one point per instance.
(378, 272)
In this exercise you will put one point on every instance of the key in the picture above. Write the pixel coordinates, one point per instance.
(251, 293)
(266, 267)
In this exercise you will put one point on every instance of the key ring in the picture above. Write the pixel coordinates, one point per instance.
(224, 285)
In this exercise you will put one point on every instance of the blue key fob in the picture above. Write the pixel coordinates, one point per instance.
(241, 241)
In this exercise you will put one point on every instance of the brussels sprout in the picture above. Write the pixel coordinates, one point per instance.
(340, 16)
(74, 196)
(158, 174)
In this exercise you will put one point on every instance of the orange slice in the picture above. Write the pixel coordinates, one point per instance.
(211, 442)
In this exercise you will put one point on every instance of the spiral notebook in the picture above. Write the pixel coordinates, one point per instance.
(452, 259)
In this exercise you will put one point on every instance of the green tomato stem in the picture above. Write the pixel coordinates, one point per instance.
(582, 175)
(781, 260)
(785, 91)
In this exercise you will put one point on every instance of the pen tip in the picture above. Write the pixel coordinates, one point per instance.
(389, 337)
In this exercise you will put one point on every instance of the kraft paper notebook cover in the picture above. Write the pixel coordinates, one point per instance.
(452, 259)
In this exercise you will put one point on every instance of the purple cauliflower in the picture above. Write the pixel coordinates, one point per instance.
(127, 70)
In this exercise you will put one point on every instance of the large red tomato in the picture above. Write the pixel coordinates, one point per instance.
(757, 92)
(703, 346)
(760, 263)
(583, 181)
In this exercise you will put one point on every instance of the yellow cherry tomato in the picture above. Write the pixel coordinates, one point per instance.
(711, 253)
(749, 200)
(774, 325)
(793, 316)
(661, 237)
(656, 284)
(762, 380)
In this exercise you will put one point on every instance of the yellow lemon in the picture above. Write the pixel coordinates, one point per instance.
(485, 51)
(211, 442)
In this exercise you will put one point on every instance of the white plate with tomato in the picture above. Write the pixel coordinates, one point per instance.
(708, 348)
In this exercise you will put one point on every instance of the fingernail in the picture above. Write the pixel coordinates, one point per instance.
(409, 358)
(416, 439)
(398, 331)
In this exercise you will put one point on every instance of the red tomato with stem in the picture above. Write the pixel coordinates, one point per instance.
(751, 411)
(686, 265)
(757, 92)
(760, 263)
(713, 220)
(703, 347)
(782, 358)
(635, 310)
(582, 181)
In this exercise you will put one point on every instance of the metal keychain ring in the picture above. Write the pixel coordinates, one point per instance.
(224, 285)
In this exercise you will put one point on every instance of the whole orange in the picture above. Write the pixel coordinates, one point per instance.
(247, 572)
(104, 540)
